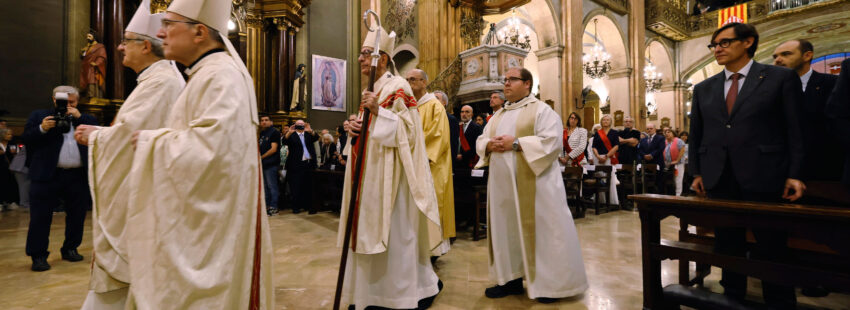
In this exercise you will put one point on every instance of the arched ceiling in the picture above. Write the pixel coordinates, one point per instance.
(607, 33)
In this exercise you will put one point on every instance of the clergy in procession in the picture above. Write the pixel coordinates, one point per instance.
(111, 154)
(396, 224)
(530, 230)
(197, 235)
(435, 126)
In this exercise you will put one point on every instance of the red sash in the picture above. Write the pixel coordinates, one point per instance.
(601, 134)
(465, 146)
(574, 162)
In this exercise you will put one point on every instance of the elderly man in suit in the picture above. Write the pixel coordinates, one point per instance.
(300, 164)
(469, 132)
(821, 163)
(746, 144)
(651, 151)
(58, 170)
(838, 109)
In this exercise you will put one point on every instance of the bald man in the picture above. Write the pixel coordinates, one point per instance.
(469, 132)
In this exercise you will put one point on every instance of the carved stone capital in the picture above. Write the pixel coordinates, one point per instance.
(549, 52)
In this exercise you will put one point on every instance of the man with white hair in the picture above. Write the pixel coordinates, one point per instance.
(454, 130)
(435, 126)
(196, 219)
(57, 171)
(394, 233)
(110, 156)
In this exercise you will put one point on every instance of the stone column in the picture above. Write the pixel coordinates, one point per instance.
(98, 17)
(571, 71)
(549, 63)
(637, 46)
(115, 70)
(282, 67)
(273, 65)
(255, 55)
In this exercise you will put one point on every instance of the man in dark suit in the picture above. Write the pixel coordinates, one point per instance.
(466, 157)
(300, 164)
(58, 170)
(838, 109)
(651, 151)
(746, 144)
(822, 165)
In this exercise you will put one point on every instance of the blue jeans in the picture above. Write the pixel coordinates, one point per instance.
(270, 186)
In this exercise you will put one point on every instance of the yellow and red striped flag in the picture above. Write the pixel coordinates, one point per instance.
(735, 14)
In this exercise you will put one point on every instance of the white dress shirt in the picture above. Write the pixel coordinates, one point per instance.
(728, 84)
(306, 155)
(805, 78)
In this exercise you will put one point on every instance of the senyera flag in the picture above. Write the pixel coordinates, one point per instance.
(735, 14)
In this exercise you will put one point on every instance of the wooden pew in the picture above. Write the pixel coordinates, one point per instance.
(826, 226)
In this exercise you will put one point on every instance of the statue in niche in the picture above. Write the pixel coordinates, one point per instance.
(93, 67)
(299, 89)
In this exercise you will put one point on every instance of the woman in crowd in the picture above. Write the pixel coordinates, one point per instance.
(328, 152)
(481, 119)
(674, 152)
(575, 142)
(606, 142)
(591, 159)
(8, 186)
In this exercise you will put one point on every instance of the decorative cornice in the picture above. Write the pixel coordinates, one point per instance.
(549, 52)
(619, 6)
(619, 73)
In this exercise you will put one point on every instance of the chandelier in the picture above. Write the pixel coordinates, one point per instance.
(512, 35)
(652, 78)
(597, 63)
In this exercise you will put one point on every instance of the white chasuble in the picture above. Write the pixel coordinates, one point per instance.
(110, 158)
(531, 231)
(197, 233)
(397, 223)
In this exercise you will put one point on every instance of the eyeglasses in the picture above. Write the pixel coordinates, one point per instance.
(166, 23)
(413, 80)
(724, 43)
(366, 53)
(512, 79)
(124, 41)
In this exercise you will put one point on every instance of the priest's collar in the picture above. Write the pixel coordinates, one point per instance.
(210, 52)
(149, 70)
(516, 105)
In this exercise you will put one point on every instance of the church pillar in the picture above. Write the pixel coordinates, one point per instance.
(637, 46)
(255, 56)
(549, 64)
(572, 32)
(98, 17)
(282, 65)
(115, 70)
(272, 52)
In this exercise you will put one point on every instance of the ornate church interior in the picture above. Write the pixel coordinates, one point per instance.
(646, 240)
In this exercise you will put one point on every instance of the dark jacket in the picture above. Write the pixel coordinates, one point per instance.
(761, 139)
(43, 148)
(468, 157)
(654, 148)
(296, 151)
(838, 109)
(822, 161)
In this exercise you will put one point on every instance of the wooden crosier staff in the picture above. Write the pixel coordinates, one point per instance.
(359, 148)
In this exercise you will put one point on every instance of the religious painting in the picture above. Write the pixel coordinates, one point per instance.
(328, 84)
(618, 118)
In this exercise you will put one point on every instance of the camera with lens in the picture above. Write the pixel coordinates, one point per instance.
(60, 115)
(299, 127)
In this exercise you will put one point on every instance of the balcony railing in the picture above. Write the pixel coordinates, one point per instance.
(670, 17)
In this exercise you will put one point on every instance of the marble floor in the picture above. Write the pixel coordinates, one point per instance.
(306, 262)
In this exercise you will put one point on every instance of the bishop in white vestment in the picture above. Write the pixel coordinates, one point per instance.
(530, 229)
(197, 233)
(111, 155)
(396, 223)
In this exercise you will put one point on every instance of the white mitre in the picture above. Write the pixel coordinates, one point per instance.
(215, 14)
(387, 44)
(144, 22)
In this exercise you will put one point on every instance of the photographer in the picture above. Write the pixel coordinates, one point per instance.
(58, 170)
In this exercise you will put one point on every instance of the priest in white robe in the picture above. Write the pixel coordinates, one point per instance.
(530, 230)
(111, 155)
(397, 220)
(197, 234)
